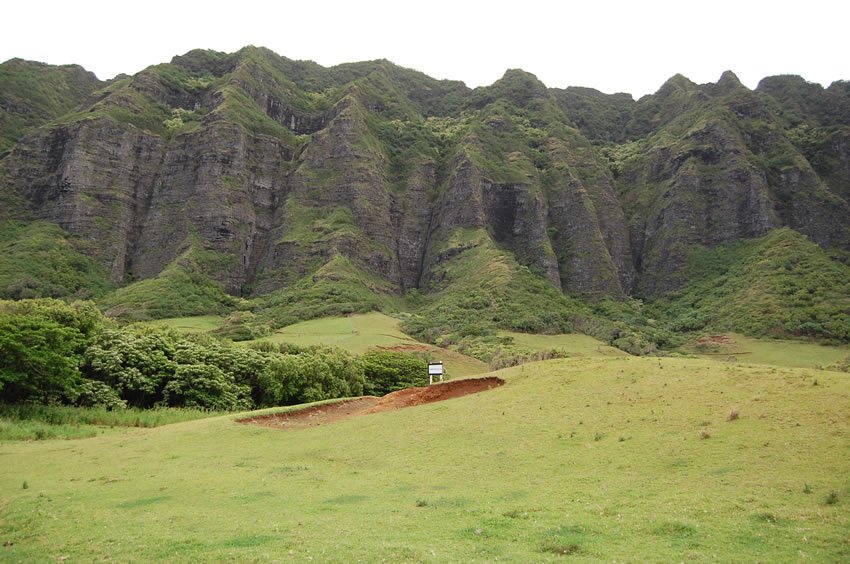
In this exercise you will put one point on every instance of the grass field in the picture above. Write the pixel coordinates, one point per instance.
(39, 422)
(595, 458)
(355, 333)
(781, 352)
(359, 333)
(575, 344)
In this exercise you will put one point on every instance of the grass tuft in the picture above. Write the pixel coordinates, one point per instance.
(552, 546)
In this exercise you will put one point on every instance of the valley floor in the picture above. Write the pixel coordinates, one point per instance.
(626, 458)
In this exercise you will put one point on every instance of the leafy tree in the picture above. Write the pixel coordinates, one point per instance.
(313, 376)
(388, 371)
(136, 364)
(205, 386)
(39, 359)
(93, 393)
(41, 346)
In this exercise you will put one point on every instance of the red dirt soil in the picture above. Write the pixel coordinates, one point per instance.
(330, 412)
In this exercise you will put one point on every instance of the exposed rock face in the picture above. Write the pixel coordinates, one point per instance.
(89, 177)
(277, 166)
(719, 171)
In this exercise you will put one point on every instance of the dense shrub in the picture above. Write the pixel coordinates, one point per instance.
(92, 393)
(207, 386)
(38, 359)
(41, 345)
(388, 371)
(318, 375)
(134, 363)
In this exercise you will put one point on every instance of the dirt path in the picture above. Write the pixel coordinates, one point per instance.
(332, 412)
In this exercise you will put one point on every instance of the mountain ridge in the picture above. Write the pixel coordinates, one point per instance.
(278, 172)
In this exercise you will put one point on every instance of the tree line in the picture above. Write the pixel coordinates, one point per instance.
(53, 352)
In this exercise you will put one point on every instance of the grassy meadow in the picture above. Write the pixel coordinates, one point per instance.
(575, 344)
(618, 458)
(798, 354)
(362, 332)
(354, 333)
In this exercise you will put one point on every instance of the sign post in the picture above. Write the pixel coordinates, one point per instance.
(435, 369)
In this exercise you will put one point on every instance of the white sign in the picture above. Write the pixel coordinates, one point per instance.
(435, 368)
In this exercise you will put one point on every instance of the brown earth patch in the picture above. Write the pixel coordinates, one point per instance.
(331, 412)
(716, 340)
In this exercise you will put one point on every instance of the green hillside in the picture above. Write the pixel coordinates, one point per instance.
(360, 333)
(779, 285)
(183, 288)
(35, 93)
(40, 260)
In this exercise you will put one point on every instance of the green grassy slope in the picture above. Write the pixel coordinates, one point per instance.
(574, 344)
(360, 333)
(356, 333)
(39, 259)
(797, 354)
(781, 284)
(34, 93)
(601, 459)
(183, 288)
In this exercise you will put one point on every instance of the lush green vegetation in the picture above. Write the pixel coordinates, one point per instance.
(55, 353)
(356, 333)
(28, 421)
(339, 287)
(611, 453)
(484, 290)
(779, 285)
(34, 93)
(39, 260)
(184, 288)
(388, 371)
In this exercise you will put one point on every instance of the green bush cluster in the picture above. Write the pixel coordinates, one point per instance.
(55, 353)
(388, 371)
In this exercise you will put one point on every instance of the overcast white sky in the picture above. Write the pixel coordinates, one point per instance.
(614, 46)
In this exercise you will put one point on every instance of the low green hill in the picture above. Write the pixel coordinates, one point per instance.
(183, 288)
(39, 260)
(779, 285)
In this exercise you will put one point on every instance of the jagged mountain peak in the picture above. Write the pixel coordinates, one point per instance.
(728, 81)
(517, 86)
(676, 83)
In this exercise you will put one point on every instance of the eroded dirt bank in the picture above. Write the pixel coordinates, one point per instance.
(331, 412)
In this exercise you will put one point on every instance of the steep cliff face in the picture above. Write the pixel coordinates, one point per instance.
(720, 169)
(274, 174)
